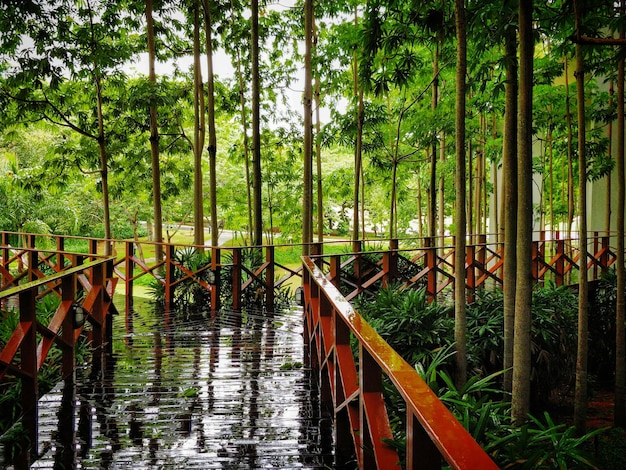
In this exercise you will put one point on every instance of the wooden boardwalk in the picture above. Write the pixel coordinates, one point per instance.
(191, 393)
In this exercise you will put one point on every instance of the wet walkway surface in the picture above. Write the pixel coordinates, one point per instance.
(191, 393)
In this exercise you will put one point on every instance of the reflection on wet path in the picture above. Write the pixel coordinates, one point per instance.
(223, 394)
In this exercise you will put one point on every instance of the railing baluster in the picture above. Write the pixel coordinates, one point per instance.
(28, 360)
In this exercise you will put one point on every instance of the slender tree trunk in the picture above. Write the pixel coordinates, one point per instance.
(256, 128)
(318, 145)
(154, 139)
(620, 318)
(551, 165)
(104, 168)
(432, 213)
(358, 148)
(199, 130)
(358, 164)
(420, 212)
(580, 392)
(460, 319)
(392, 208)
(212, 148)
(609, 153)
(570, 155)
(442, 186)
(520, 405)
(307, 187)
(246, 143)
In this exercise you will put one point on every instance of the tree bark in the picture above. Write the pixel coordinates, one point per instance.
(257, 180)
(154, 139)
(358, 147)
(199, 134)
(620, 318)
(580, 392)
(520, 405)
(460, 319)
(212, 148)
(307, 187)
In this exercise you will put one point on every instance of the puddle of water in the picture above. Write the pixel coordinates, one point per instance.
(191, 393)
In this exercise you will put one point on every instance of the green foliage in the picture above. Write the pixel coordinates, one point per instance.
(416, 328)
(542, 444)
(408, 322)
(602, 304)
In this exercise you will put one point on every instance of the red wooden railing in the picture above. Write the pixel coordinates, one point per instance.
(88, 285)
(426, 263)
(431, 267)
(352, 389)
(25, 273)
(42, 254)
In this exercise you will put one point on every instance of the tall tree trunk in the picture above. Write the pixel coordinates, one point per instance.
(520, 405)
(104, 166)
(358, 147)
(441, 192)
(460, 319)
(256, 127)
(432, 212)
(570, 155)
(609, 153)
(550, 143)
(392, 202)
(620, 317)
(212, 148)
(154, 139)
(318, 145)
(199, 130)
(580, 392)
(307, 187)
(358, 164)
(318, 160)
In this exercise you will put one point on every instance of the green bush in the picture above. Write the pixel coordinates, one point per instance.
(408, 322)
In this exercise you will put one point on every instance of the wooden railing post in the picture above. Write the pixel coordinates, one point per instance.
(317, 249)
(604, 257)
(30, 385)
(169, 275)
(335, 270)
(93, 246)
(421, 452)
(130, 271)
(32, 257)
(60, 258)
(215, 287)
(470, 271)
(269, 279)
(357, 248)
(236, 279)
(68, 294)
(390, 262)
(374, 451)
(536, 260)
(98, 311)
(559, 266)
(431, 264)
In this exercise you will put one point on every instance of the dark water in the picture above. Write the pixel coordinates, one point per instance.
(230, 393)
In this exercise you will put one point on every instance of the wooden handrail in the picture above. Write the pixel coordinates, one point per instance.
(24, 353)
(354, 389)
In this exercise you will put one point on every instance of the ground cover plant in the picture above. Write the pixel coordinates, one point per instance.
(422, 333)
